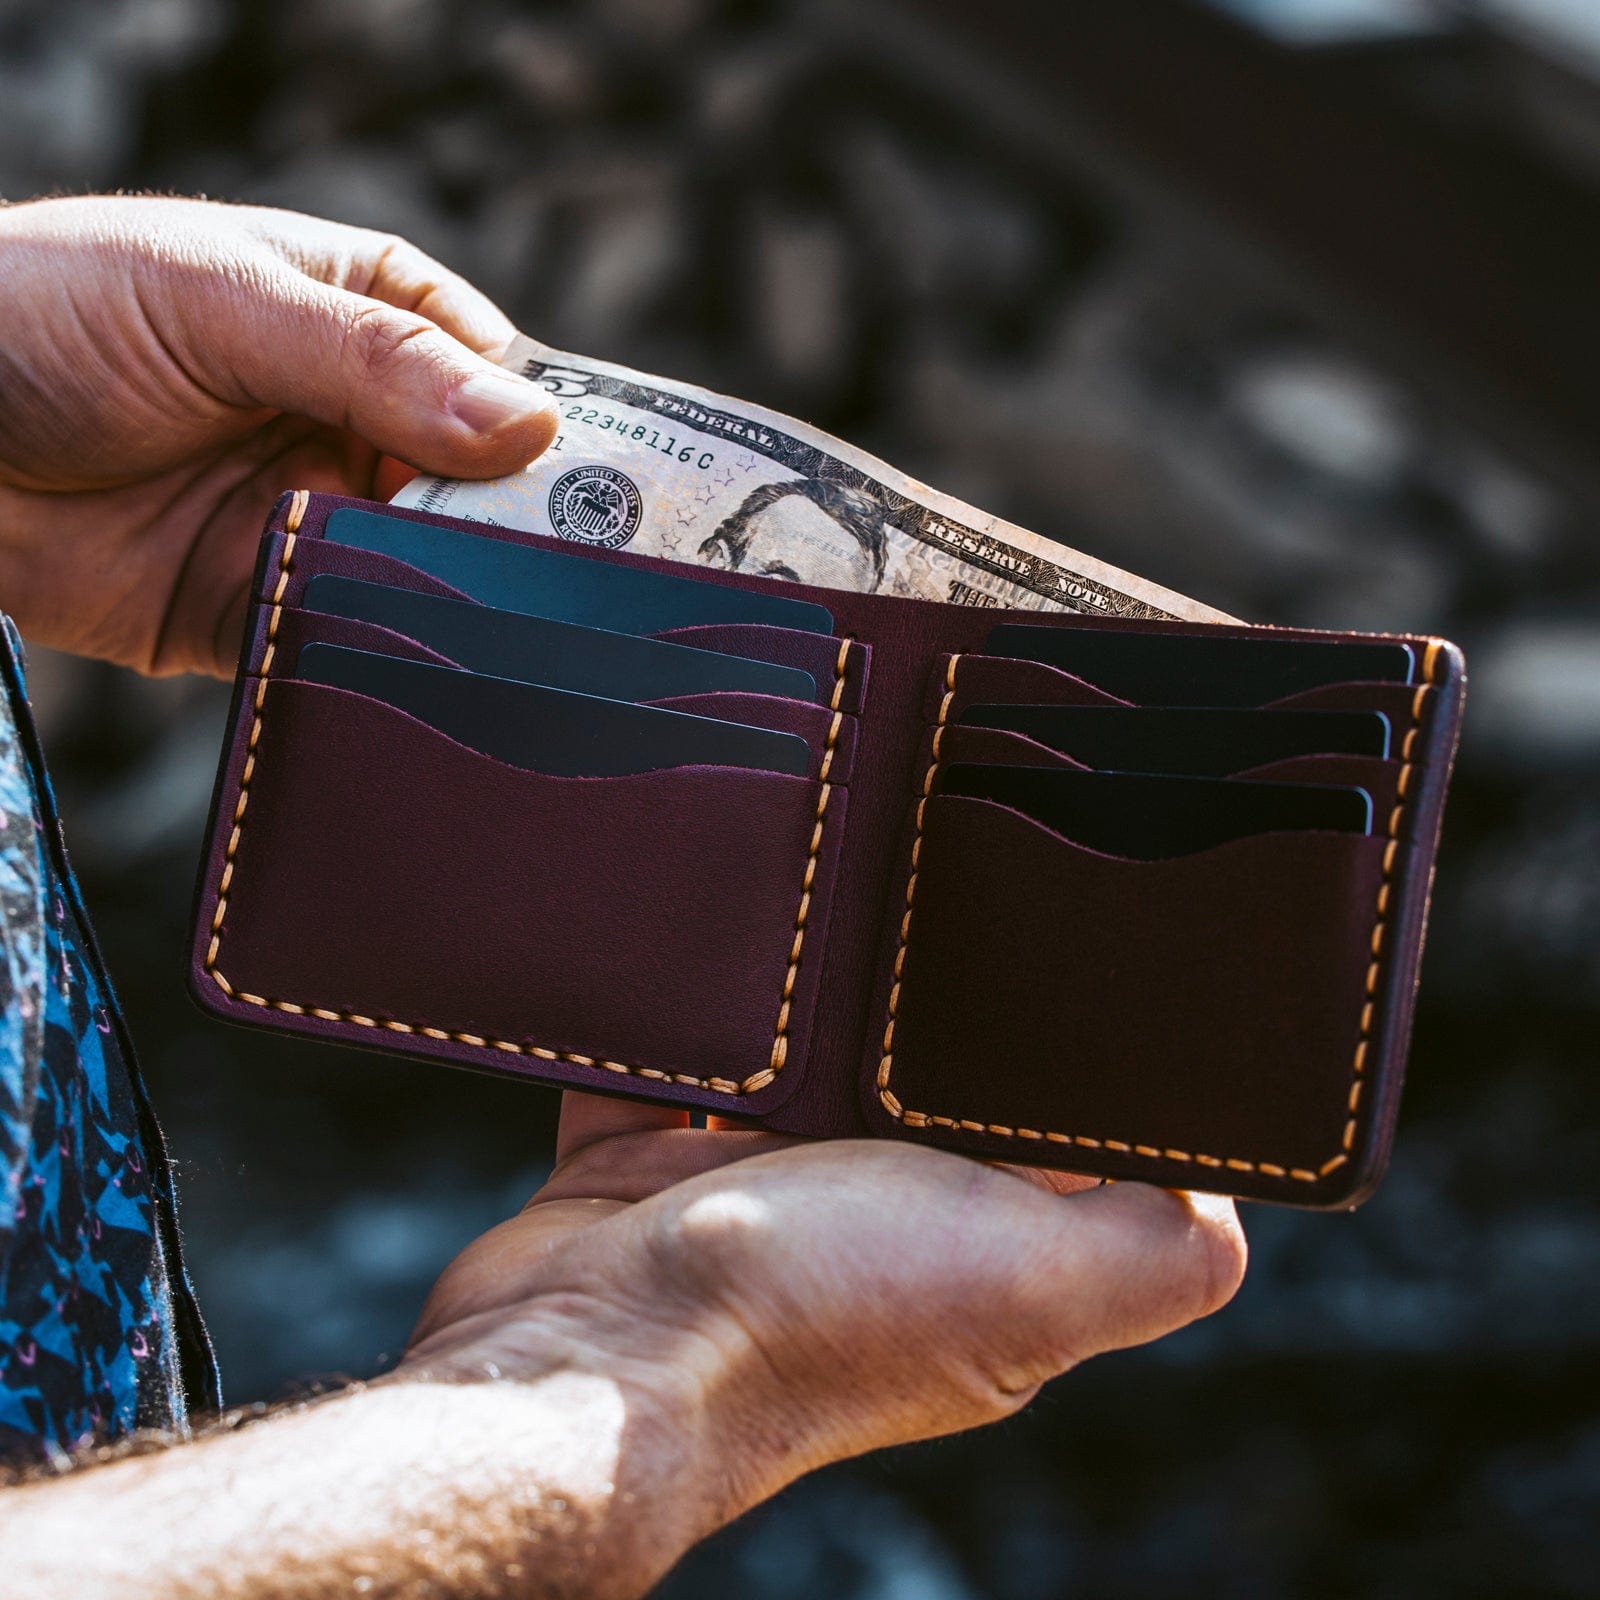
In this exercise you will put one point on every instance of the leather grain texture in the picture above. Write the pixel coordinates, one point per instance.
(739, 942)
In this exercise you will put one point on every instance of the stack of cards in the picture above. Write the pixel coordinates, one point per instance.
(1194, 741)
(533, 679)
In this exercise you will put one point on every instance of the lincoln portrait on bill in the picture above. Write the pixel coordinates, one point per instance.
(807, 529)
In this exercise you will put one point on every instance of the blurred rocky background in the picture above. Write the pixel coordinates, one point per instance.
(877, 227)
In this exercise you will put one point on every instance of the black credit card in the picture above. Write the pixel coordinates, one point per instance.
(550, 583)
(1203, 742)
(552, 731)
(1148, 818)
(1185, 669)
(560, 655)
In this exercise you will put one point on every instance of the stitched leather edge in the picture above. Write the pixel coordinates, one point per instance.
(1270, 1169)
(780, 1042)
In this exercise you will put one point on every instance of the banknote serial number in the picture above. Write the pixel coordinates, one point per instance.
(641, 433)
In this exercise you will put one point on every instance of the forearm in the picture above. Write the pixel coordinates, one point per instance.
(570, 1484)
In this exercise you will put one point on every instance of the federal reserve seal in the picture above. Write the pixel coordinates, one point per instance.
(596, 505)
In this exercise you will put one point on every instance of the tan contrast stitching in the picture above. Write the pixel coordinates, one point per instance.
(780, 1042)
(1271, 1169)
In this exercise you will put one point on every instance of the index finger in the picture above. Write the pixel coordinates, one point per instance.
(385, 267)
(404, 276)
(586, 1119)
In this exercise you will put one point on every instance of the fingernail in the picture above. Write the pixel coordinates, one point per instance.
(490, 400)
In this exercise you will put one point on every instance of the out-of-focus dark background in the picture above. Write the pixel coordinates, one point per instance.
(1290, 304)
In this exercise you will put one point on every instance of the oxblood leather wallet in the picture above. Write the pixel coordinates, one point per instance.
(847, 953)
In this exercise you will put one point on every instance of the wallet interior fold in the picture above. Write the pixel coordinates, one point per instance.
(843, 951)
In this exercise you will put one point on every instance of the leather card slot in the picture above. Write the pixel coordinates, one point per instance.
(1004, 680)
(1410, 708)
(1003, 747)
(1397, 701)
(1007, 680)
(387, 886)
(840, 666)
(1200, 1021)
(831, 735)
(292, 562)
(296, 628)
(958, 742)
(1381, 779)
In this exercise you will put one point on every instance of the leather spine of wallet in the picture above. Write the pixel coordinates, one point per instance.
(848, 953)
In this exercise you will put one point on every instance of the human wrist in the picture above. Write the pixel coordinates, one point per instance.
(710, 1431)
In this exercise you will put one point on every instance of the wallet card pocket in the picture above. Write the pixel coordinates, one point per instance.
(961, 742)
(840, 666)
(290, 562)
(1401, 703)
(387, 886)
(1004, 680)
(1380, 779)
(831, 735)
(1201, 1019)
(950, 742)
(294, 629)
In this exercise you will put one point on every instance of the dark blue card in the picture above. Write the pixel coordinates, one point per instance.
(1148, 818)
(567, 588)
(560, 655)
(1204, 742)
(1186, 669)
(551, 730)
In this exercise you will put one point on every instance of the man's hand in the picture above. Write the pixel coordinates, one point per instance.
(168, 367)
(679, 1323)
(762, 1305)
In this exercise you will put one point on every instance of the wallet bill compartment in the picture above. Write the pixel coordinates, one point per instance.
(476, 909)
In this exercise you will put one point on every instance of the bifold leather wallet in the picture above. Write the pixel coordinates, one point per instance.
(862, 866)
